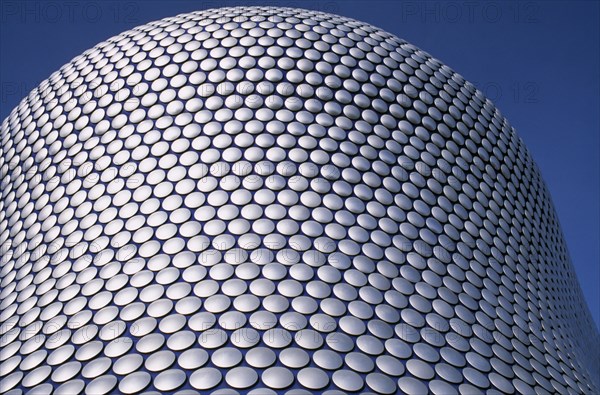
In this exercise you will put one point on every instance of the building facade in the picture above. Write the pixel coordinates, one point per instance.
(275, 200)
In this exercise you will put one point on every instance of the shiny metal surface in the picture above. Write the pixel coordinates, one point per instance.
(274, 200)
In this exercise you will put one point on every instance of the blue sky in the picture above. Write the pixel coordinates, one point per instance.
(537, 60)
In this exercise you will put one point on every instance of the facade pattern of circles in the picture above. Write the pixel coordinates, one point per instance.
(275, 200)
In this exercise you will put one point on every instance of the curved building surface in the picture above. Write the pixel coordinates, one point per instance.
(273, 200)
